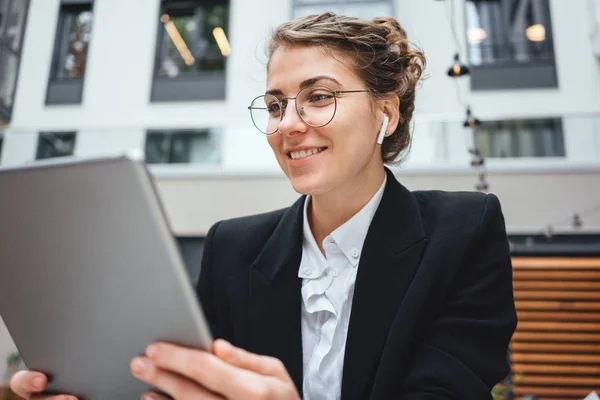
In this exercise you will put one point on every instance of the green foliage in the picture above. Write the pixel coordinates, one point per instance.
(13, 358)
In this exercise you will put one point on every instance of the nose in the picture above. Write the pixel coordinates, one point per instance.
(291, 124)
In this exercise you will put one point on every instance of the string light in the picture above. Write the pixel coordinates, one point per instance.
(470, 120)
(575, 220)
(458, 69)
(536, 33)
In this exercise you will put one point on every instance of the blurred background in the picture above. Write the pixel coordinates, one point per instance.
(510, 105)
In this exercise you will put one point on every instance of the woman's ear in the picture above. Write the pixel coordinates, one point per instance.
(391, 107)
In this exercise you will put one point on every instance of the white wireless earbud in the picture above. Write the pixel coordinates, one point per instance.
(384, 126)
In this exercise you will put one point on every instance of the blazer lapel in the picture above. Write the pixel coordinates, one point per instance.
(275, 295)
(390, 258)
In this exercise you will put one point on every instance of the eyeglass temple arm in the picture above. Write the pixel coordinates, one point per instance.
(350, 91)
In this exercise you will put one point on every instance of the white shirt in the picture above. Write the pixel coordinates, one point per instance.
(327, 291)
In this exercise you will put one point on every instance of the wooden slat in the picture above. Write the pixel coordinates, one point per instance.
(559, 369)
(556, 275)
(559, 326)
(558, 305)
(556, 337)
(545, 380)
(558, 316)
(555, 263)
(578, 393)
(556, 295)
(556, 358)
(555, 285)
(586, 348)
(555, 351)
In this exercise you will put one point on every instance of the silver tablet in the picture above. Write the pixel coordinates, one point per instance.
(90, 274)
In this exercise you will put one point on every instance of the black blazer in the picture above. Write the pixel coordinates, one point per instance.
(433, 307)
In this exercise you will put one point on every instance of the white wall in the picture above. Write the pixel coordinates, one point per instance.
(116, 111)
(119, 75)
(530, 200)
(428, 25)
(120, 67)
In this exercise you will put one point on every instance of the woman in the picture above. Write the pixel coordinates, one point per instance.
(361, 289)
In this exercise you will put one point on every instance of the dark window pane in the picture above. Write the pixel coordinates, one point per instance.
(366, 9)
(9, 65)
(15, 21)
(191, 249)
(55, 144)
(183, 147)
(515, 31)
(521, 138)
(3, 6)
(193, 37)
(72, 41)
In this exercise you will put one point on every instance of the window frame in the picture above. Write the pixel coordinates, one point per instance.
(511, 126)
(6, 111)
(39, 140)
(200, 86)
(325, 3)
(209, 132)
(511, 75)
(66, 91)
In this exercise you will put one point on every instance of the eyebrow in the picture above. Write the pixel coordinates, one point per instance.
(306, 83)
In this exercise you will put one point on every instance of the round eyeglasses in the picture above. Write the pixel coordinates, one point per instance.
(316, 105)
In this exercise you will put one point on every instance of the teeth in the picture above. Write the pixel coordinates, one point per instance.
(304, 153)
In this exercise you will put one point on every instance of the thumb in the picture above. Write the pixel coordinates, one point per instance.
(241, 358)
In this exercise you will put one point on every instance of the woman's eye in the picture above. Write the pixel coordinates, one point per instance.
(320, 97)
(273, 108)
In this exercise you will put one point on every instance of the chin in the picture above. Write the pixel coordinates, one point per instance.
(309, 185)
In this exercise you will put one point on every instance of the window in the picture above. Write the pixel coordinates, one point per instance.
(183, 147)
(191, 249)
(55, 144)
(192, 50)
(510, 44)
(521, 138)
(13, 14)
(69, 61)
(367, 9)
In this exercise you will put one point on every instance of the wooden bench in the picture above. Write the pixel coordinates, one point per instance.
(555, 352)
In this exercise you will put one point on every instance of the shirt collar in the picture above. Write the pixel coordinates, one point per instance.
(350, 236)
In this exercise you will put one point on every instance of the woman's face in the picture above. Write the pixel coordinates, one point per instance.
(347, 150)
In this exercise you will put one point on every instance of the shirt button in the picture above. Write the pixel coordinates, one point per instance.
(354, 253)
(307, 271)
(335, 272)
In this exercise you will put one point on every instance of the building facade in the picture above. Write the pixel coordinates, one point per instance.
(174, 78)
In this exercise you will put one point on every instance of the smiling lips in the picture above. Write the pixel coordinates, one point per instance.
(297, 155)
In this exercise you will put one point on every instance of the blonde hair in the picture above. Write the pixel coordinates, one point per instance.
(382, 56)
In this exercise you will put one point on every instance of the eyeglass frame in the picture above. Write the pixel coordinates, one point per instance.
(334, 92)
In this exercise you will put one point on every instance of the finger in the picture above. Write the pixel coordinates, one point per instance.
(153, 396)
(175, 385)
(53, 397)
(28, 383)
(241, 358)
(199, 366)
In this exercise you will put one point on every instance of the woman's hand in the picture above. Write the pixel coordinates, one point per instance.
(28, 384)
(230, 373)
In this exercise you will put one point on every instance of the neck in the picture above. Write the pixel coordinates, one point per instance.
(330, 210)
